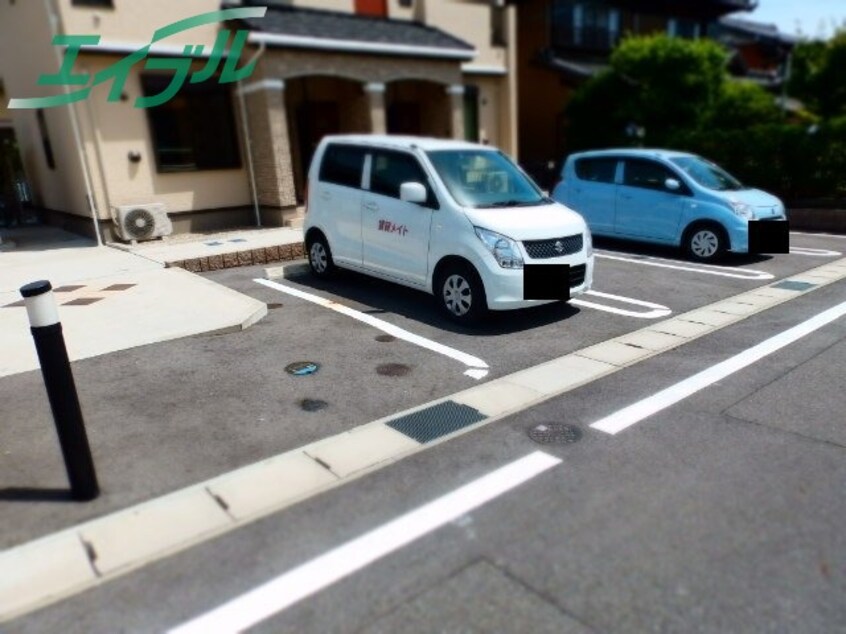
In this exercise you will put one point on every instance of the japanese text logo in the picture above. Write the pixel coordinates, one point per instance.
(118, 72)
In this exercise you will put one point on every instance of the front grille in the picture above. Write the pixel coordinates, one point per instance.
(554, 248)
(577, 275)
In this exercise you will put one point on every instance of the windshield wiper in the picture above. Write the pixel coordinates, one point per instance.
(505, 203)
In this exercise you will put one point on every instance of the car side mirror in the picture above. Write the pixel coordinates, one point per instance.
(413, 193)
(672, 184)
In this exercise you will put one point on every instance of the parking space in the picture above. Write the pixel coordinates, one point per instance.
(634, 284)
(677, 517)
(381, 350)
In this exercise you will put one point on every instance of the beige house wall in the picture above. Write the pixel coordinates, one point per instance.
(26, 52)
(344, 6)
(121, 128)
(5, 113)
(135, 21)
(469, 20)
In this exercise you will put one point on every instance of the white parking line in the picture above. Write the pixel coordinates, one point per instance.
(817, 253)
(657, 310)
(705, 269)
(822, 235)
(628, 416)
(313, 576)
(478, 368)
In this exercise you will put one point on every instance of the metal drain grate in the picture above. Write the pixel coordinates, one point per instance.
(790, 285)
(439, 420)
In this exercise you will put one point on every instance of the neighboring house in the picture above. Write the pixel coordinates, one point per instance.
(561, 43)
(435, 67)
(760, 51)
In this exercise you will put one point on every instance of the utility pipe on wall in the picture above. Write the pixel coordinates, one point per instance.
(55, 22)
(246, 130)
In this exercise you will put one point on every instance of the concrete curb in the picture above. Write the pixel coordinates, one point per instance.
(250, 257)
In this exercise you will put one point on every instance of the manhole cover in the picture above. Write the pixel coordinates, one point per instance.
(313, 404)
(302, 368)
(393, 369)
(274, 306)
(385, 338)
(555, 434)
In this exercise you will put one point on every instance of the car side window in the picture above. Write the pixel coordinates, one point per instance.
(342, 165)
(597, 170)
(650, 175)
(390, 169)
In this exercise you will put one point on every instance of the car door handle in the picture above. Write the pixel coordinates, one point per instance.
(371, 206)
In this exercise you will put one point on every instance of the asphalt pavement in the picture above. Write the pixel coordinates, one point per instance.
(720, 513)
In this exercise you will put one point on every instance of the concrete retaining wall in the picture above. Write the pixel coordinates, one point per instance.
(830, 220)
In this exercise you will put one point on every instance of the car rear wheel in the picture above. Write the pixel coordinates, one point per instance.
(705, 243)
(320, 257)
(461, 294)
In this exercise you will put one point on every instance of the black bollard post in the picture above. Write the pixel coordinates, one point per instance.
(61, 390)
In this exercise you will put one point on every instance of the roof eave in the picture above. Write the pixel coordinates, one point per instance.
(355, 46)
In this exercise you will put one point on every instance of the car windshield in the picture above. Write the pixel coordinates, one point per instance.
(485, 179)
(708, 174)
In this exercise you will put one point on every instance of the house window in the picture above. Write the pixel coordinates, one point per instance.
(195, 130)
(45, 139)
(499, 35)
(108, 4)
(591, 25)
(680, 27)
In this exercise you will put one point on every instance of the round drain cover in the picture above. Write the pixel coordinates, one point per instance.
(302, 368)
(393, 369)
(312, 404)
(555, 434)
(385, 338)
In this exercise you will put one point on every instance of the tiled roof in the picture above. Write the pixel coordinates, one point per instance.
(757, 29)
(297, 22)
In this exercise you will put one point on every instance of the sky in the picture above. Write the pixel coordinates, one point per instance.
(810, 18)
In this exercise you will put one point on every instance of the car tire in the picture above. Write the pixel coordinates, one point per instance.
(705, 243)
(461, 294)
(320, 257)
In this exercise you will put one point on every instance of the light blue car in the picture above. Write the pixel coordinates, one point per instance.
(672, 198)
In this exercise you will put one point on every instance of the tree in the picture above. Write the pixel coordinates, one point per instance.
(675, 81)
(817, 75)
(671, 88)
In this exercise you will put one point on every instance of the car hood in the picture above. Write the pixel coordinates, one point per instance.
(538, 222)
(755, 198)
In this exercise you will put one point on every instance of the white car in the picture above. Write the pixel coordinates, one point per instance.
(458, 220)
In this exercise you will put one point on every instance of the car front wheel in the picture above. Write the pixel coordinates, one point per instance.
(705, 243)
(461, 294)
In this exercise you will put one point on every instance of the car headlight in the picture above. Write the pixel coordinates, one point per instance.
(742, 209)
(588, 242)
(504, 249)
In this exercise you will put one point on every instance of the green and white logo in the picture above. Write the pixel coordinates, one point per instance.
(118, 72)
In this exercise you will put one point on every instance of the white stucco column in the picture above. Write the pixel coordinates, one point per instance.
(378, 118)
(456, 99)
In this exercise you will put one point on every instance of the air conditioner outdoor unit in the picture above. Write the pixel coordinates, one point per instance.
(143, 222)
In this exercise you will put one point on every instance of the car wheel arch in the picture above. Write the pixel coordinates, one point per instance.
(701, 223)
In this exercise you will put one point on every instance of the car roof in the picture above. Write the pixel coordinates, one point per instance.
(399, 142)
(632, 152)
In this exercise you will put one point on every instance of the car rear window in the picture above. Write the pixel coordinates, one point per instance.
(600, 170)
(342, 165)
